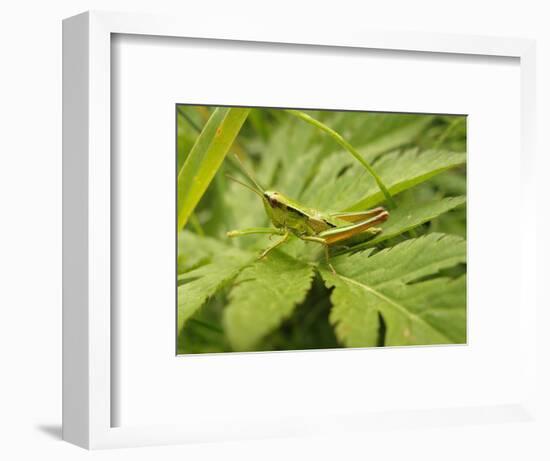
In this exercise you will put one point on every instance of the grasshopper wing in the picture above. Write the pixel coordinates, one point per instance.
(338, 234)
(357, 216)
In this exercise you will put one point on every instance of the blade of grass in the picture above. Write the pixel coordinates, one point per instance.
(346, 145)
(205, 158)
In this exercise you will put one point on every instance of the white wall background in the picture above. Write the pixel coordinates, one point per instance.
(30, 222)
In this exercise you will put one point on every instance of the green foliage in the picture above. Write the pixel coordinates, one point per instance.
(389, 284)
(412, 214)
(346, 186)
(195, 286)
(205, 157)
(406, 286)
(264, 295)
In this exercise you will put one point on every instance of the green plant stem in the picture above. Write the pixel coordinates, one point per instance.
(346, 145)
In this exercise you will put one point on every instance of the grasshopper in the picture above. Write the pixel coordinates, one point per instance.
(292, 218)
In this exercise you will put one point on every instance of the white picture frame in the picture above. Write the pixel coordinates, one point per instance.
(88, 361)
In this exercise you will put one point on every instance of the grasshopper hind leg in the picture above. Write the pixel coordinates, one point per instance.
(327, 257)
(325, 245)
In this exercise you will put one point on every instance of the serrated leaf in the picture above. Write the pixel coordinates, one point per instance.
(199, 284)
(195, 250)
(341, 184)
(439, 305)
(264, 295)
(411, 215)
(403, 171)
(427, 312)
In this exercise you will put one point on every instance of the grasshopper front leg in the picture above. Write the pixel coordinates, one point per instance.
(263, 230)
(275, 245)
(256, 230)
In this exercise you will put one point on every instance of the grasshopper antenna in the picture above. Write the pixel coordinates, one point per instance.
(256, 191)
(248, 173)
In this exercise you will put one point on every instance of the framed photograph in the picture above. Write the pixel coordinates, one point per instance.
(368, 244)
(271, 233)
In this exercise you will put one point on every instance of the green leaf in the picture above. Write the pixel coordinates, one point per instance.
(206, 157)
(195, 250)
(199, 284)
(342, 185)
(429, 311)
(403, 171)
(264, 295)
(411, 215)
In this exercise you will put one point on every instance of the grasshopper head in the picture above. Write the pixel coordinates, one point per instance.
(274, 199)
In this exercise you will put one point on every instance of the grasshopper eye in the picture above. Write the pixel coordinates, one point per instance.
(271, 198)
